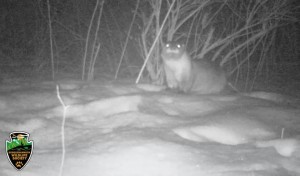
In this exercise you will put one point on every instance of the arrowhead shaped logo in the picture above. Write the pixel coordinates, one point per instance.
(19, 149)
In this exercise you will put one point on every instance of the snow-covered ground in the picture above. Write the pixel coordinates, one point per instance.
(119, 129)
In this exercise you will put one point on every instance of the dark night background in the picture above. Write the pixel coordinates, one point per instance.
(25, 53)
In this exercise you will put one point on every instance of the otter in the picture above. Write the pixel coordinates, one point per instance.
(190, 75)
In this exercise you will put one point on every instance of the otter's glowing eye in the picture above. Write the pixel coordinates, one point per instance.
(178, 46)
(167, 45)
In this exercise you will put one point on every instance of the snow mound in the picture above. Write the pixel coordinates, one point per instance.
(100, 108)
(231, 131)
(285, 147)
(151, 87)
(116, 129)
(274, 97)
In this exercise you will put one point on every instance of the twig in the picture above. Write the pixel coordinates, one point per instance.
(51, 42)
(87, 41)
(152, 47)
(92, 65)
(62, 130)
(282, 133)
(94, 55)
(128, 34)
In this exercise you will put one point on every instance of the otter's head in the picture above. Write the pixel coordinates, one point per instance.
(173, 50)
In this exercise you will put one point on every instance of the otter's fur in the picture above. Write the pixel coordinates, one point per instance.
(190, 75)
